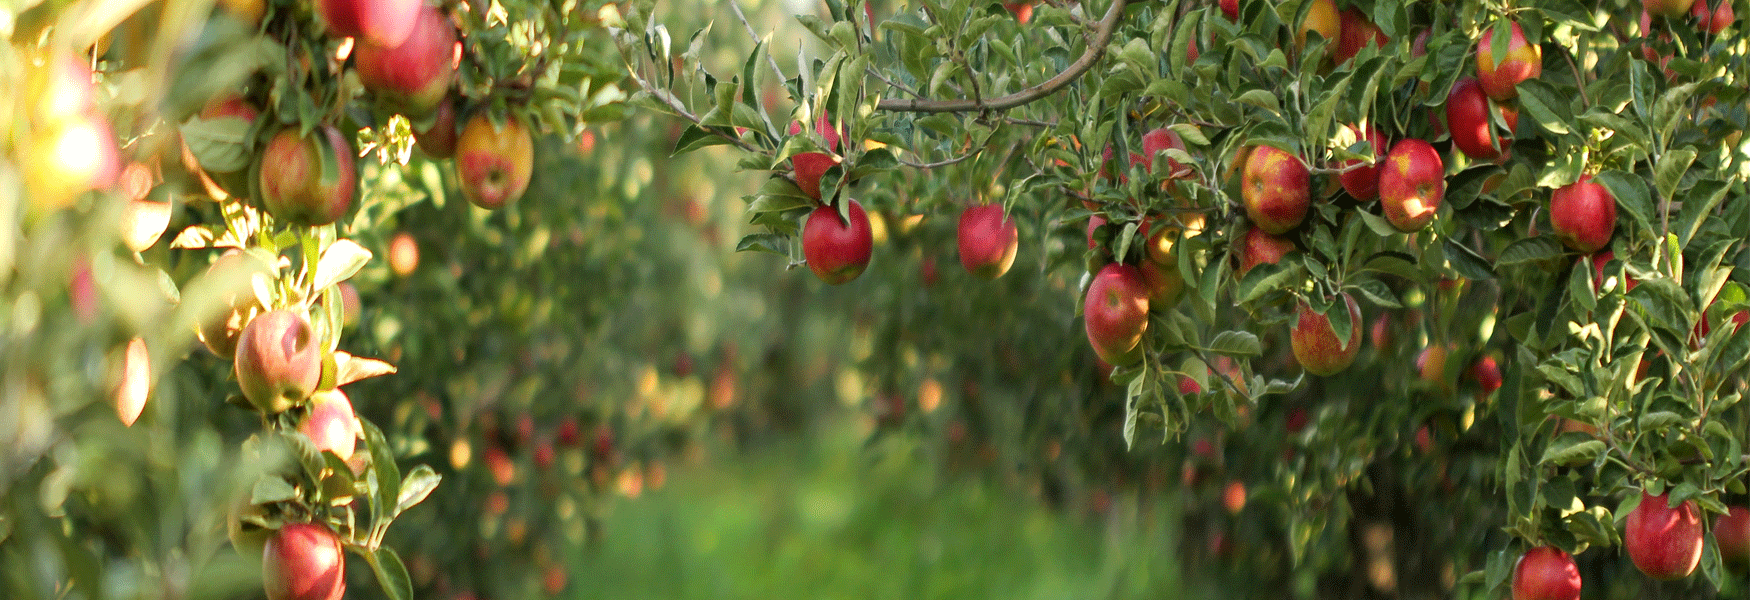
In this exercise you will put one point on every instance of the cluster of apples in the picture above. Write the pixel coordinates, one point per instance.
(1663, 540)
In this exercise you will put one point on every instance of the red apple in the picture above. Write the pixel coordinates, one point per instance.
(1258, 247)
(279, 360)
(1546, 573)
(411, 77)
(1358, 32)
(1315, 342)
(1116, 313)
(1411, 184)
(1231, 8)
(1600, 259)
(1381, 332)
(1188, 386)
(1523, 61)
(1732, 535)
(331, 424)
(988, 240)
(1467, 115)
(1667, 8)
(219, 331)
(1487, 374)
(1712, 21)
(1275, 189)
(303, 562)
(1358, 177)
(1165, 284)
(1664, 542)
(382, 22)
(810, 167)
(837, 251)
(308, 180)
(1583, 214)
(1159, 140)
(1023, 11)
(438, 140)
(494, 162)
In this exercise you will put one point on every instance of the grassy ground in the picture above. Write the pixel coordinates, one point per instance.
(831, 519)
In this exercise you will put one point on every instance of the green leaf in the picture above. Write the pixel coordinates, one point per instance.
(271, 488)
(1668, 173)
(218, 144)
(1535, 249)
(764, 242)
(1466, 261)
(340, 261)
(695, 137)
(1237, 344)
(1545, 104)
(1631, 196)
(419, 484)
(1377, 292)
(391, 573)
(1572, 449)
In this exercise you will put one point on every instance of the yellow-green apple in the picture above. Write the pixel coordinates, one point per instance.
(1315, 341)
(1712, 21)
(413, 76)
(438, 138)
(988, 240)
(1583, 214)
(279, 360)
(1732, 535)
(1358, 32)
(1164, 232)
(1524, 60)
(1165, 284)
(494, 162)
(1275, 189)
(331, 424)
(1322, 18)
(383, 22)
(1361, 177)
(1412, 183)
(220, 330)
(1546, 573)
(837, 250)
(1259, 247)
(302, 561)
(307, 180)
(1663, 541)
(1116, 313)
(1667, 8)
(1467, 116)
(1431, 365)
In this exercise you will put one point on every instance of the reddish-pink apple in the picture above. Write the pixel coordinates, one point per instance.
(1315, 341)
(1524, 60)
(988, 240)
(1663, 541)
(1116, 313)
(308, 180)
(1546, 573)
(1275, 189)
(1412, 183)
(837, 251)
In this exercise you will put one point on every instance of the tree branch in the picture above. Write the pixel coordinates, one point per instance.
(1096, 49)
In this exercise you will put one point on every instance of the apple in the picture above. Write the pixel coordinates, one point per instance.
(1259, 247)
(220, 331)
(1275, 187)
(1231, 8)
(1712, 21)
(1667, 8)
(381, 22)
(1411, 184)
(1163, 239)
(1023, 11)
(1431, 365)
(810, 167)
(308, 180)
(1165, 284)
(1732, 535)
(403, 254)
(1322, 18)
(438, 140)
(1583, 214)
(1315, 342)
(1116, 313)
(1487, 374)
(988, 240)
(494, 162)
(135, 384)
(1189, 386)
(1380, 333)
(1546, 573)
(1359, 177)
(67, 158)
(1663, 541)
(1233, 497)
(1358, 33)
(411, 77)
(837, 251)
(303, 562)
(1467, 115)
(279, 360)
(331, 424)
(1524, 60)
(1158, 140)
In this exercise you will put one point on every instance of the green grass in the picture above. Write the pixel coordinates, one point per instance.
(831, 519)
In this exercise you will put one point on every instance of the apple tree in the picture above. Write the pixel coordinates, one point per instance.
(1529, 208)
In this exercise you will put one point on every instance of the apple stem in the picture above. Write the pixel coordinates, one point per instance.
(1096, 48)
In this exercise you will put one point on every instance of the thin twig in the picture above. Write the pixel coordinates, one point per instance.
(942, 163)
(756, 39)
(680, 109)
(1096, 49)
(895, 84)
